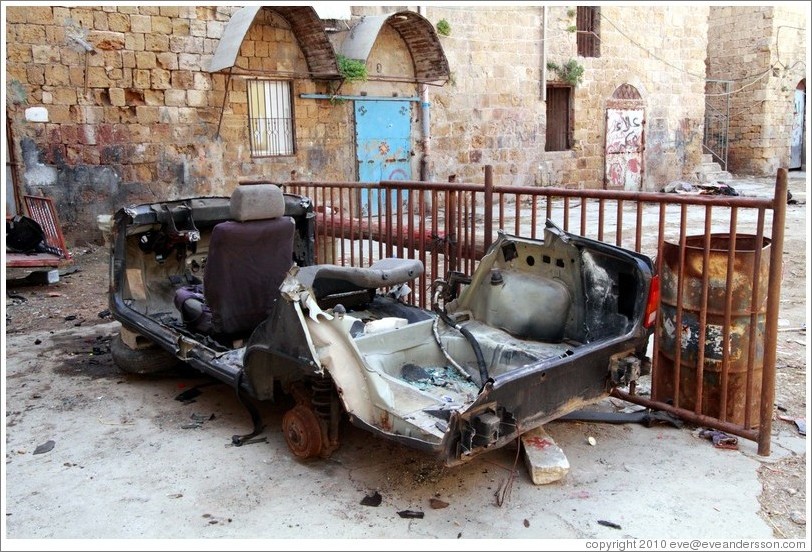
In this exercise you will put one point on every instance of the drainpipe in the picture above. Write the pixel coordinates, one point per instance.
(424, 120)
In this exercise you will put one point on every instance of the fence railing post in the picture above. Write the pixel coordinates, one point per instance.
(451, 232)
(488, 237)
(771, 323)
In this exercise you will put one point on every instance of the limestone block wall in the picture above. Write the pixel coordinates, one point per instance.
(132, 114)
(762, 50)
(492, 110)
(490, 113)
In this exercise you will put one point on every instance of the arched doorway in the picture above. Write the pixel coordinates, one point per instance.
(625, 139)
(797, 157)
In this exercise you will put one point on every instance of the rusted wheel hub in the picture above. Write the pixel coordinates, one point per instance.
(302, 431)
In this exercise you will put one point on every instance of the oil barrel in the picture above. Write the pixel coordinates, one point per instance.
(746, 325)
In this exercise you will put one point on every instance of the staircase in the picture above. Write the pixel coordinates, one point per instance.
(710, 172)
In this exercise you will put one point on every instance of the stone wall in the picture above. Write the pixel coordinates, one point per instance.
(490, 113)
(132, 115)
(492, 110)
(761, 49)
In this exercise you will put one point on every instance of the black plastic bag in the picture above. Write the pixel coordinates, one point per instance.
(24, 235)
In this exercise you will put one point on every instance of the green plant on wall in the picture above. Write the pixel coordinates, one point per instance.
(353, 70)
(443, 27)
(571, 72)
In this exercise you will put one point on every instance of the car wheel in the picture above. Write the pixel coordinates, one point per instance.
(148, 360)
(302, 431)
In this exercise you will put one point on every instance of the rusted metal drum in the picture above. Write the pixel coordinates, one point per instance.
(746, 326)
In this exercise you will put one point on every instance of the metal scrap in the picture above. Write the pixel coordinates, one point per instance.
(47, 446)
(373, 499)
(720, 439)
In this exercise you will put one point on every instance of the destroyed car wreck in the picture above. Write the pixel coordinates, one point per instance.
(228, 286)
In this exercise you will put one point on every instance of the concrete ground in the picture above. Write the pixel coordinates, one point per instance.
(129, 462)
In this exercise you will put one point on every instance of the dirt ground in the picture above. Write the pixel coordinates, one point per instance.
(70, 320)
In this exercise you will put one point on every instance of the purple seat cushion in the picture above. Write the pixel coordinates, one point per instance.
(247, 263)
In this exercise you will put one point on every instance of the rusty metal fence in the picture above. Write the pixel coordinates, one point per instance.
(713, 353)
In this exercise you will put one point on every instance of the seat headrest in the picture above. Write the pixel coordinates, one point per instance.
(257, 202)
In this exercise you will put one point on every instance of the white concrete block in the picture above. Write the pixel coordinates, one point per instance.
(546, 462)
(36, 115)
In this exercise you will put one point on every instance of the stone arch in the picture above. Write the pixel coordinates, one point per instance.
(626, 91)
(306, 27)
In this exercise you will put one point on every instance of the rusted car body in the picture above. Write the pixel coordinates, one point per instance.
(541, 328)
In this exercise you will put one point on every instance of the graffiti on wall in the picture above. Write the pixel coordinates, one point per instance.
(624, 148)
(624, 130)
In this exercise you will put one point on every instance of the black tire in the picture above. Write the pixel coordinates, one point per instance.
(149, 360)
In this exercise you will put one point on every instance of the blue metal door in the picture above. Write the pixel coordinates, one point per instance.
(383, 145)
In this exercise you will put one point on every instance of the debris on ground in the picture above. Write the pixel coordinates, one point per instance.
(611, 524)
(709, 188)
(797, 517)
(197, 421)
(800, 423)
(720, 439)
(188, 396)
(411, 514)
(437, 504)
(373, 499)
(47, 446)
(646, 417)
(35, 278)
(545, 460)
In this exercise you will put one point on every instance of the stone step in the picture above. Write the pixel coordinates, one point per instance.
(711, 172)
(546, 462)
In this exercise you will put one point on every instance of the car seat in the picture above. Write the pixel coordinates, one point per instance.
(247, 261)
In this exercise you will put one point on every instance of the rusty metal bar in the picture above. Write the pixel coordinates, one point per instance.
(488, 199)
(435, 233)
(773, 303)
(601, 217)
(644, 197)
(533, 218)
(517, 214)
(469, 237)
(351, 204)
(566, 213)
(583, 216)
(755, 305)
(501, 210)
(699, 375)
(369, 224)
(731, 261)
(421, 195)
(688, 415)
(638, 229)
(680, 285)
(549, 207)
(658, 267)
(331, 206)
(619, 224)
(452, 231)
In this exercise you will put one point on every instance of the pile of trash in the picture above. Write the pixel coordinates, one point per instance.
(710, 188)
